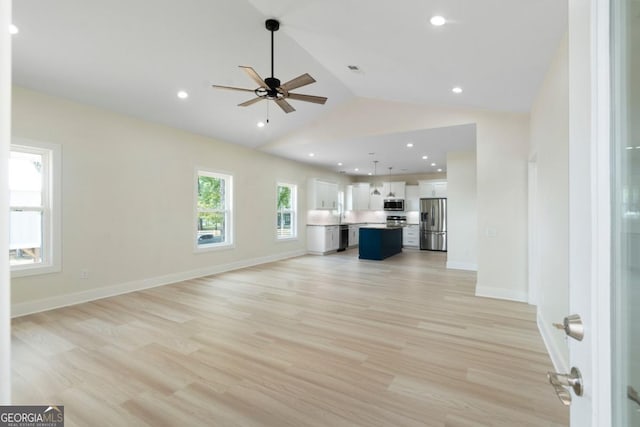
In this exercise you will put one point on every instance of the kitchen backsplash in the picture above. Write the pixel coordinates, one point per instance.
(332, 217)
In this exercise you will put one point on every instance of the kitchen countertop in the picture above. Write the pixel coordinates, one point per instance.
(344, 223)
(382, 227)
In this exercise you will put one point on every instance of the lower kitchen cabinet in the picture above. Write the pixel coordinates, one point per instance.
(411, 236)
(322, 238)
(354, 235)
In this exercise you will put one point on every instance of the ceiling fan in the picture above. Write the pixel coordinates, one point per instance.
(271, 89)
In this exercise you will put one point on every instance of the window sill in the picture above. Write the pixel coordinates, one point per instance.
(213, 248)
(34, 270)
(286, 239)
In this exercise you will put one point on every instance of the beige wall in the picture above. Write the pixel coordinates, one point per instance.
(550, 148)
(462, 212)
(502, 150)
(128, 201)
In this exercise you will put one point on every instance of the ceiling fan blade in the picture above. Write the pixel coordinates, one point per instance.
(286, 107)
(252, 73)
(302, 80)
(250, 102)
(232, 88)
(308, 98)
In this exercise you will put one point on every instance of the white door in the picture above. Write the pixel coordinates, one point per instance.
(604, 182)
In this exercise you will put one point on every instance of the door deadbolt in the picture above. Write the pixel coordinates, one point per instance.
(572, 326)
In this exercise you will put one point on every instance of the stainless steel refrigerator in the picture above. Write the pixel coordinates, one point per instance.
(433, 224)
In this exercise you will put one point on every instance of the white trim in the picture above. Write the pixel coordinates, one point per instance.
(454, 265)
(500, 293)
(601, 181)
(534, 245)
(58, 301)
(560, 364)
(5, 141)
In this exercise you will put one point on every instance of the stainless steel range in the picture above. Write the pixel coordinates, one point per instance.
(396, 221)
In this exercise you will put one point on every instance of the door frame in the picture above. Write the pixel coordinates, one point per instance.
(534, 239)
(589, 206)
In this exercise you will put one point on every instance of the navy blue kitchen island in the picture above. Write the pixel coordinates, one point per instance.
(380, 242)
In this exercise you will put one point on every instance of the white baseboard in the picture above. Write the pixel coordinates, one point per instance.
(454, 265)
(501, 293)
(547, 332)
(58, 301)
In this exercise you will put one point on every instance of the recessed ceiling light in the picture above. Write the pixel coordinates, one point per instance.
(439, 170)
(456, 89)
(370, 174)
(438, 21)
(183, 95)
(13, 29)
(311, 154)
(425, 157)
(339, 163)
(629, 148)
(410, 145)
(260, 124)
(433, 164)
(356, 169)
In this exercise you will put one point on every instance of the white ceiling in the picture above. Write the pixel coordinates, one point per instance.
(133, 56)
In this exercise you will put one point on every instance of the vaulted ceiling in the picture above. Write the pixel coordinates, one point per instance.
(134, 56)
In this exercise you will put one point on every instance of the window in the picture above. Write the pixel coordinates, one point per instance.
(213, 208)
(34, 219)
(286, 211)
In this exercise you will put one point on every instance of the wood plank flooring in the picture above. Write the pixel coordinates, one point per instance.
(310, 341)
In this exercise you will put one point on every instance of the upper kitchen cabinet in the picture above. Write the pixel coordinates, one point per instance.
(412, 198)
(432, 188)
(322, 194)
(358, 196)
(396, 187)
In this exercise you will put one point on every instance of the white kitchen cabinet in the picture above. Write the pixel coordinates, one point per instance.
(411, 236)
(358, 197)
(411, 198)
(322, 194)
(322, 238)
(354, 235)
(398, 188)
(376, 202)
(432, 188)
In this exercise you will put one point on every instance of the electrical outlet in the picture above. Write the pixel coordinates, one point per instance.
(84, 273)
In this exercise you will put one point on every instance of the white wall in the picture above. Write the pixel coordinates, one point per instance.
(5, 135)
(501, 149)
(550, 148)
(128, 201)
(462, 212)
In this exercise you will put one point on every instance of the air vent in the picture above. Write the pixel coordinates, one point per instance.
(353, 67)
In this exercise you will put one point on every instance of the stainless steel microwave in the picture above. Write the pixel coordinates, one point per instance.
(394, 204)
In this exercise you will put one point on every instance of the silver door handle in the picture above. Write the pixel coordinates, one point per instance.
(632, 394)
(572, 326)
(560, 381)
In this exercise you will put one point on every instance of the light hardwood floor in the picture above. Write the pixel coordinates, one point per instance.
(311, 341)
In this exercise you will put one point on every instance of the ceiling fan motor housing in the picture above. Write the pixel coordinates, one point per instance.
(272, 25)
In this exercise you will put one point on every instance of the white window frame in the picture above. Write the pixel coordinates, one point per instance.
(229, 211)
(293, 211)
(51, 251)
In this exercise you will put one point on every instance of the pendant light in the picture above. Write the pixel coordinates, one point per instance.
(391, 193)
(375, 191)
